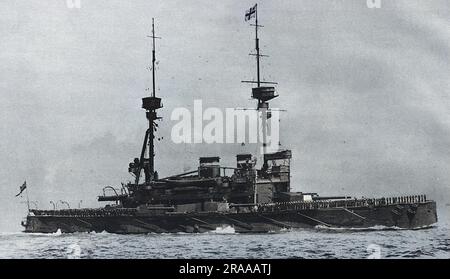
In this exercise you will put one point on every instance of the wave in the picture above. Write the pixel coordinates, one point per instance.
(99, 233)
(373, 228)
(224, 230)
(218, 230)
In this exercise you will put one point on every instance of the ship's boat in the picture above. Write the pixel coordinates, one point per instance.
(245, 197)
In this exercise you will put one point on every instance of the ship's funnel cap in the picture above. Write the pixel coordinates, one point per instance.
(209, 160)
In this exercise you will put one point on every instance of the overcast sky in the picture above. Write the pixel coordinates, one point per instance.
(367, 92)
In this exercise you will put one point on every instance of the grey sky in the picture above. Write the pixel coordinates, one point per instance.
(367, 91)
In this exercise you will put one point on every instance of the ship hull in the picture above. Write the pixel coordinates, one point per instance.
(406, 216)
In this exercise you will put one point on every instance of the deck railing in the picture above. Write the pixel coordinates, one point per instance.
(347, 203)
(86, 212)
(267, 207)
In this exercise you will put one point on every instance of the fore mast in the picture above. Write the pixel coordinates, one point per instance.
(151, 104)
(275, 169)
(263, 94)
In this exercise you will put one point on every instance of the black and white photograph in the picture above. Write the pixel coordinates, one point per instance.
(225, 130)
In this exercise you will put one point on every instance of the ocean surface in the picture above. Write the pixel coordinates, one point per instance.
(225, 243)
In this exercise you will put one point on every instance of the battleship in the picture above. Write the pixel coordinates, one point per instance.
(252, 199)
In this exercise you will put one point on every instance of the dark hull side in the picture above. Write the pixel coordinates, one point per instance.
(396, 216)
